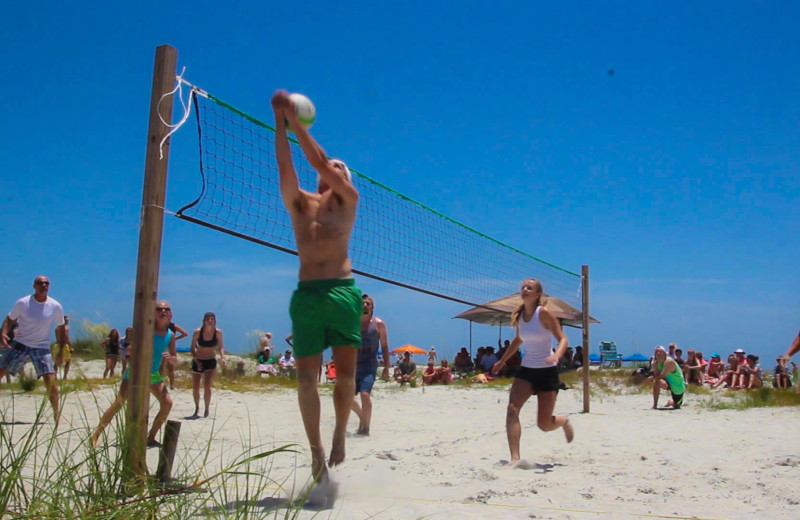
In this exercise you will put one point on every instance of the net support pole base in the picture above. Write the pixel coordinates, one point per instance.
(166, 457)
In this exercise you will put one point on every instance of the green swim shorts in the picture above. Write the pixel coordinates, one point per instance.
(155, 377)
(325, 313)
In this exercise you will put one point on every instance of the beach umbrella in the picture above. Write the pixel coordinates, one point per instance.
(594, 357)
(636, 357)
(410, 348)
(498, 312)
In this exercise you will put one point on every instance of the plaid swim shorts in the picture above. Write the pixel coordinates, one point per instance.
(14, 359)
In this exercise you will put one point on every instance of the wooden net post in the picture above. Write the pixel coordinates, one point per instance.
(585, 330)
(150, 231)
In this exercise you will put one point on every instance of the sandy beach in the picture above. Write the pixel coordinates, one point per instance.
(440, 452)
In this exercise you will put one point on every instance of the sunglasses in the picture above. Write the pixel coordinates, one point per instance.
(42, 282)
(165, 309)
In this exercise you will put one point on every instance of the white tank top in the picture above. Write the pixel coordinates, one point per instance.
(536, 341)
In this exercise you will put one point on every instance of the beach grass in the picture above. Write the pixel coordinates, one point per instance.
(87, 349)
(48, 473)
(755, 398)
(618, 381)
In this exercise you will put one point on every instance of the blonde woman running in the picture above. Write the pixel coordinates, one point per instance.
(538, 374)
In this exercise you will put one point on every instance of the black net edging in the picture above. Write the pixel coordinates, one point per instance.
(395, 239)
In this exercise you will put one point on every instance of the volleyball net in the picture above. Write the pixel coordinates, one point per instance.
(395, 238)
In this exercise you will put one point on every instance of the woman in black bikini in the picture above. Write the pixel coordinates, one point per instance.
(112, 345)
(205, 342)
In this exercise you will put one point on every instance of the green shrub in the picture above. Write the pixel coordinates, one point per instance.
(88, 349)
(27, 380)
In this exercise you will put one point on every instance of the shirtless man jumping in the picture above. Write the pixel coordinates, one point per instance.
(326, 308)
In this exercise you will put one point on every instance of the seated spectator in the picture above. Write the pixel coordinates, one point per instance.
(445, 373)
(406, 369)
(703, 361)
(730, 373)
(488, 360)
(640, 375)
(679, 358)
(671, 349)
(692, 368)
(781, 379)
(565, 363)
(479, 356)
(741, 377)
(577, 359)
(286, 362)
(330, 371)
(716, 369)
(430, 376)
(751, 373)
(462, 361)
(266, 362)
(512, 365)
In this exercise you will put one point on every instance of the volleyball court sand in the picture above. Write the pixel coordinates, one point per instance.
(439, 452)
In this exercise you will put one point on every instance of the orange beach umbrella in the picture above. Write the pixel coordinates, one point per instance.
(410, 348)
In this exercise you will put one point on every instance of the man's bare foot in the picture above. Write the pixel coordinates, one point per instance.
(363, 431)
(569, 433)
(670, 404)
(337, 450)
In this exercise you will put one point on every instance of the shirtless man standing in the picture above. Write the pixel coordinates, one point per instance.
(63, 350)
(326, 308)
(373, 336)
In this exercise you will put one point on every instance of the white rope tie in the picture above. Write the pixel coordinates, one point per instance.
(186, 105)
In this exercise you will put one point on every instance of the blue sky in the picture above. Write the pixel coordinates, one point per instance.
(676, 179)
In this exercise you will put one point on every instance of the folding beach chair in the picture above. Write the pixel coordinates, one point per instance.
(608, 354)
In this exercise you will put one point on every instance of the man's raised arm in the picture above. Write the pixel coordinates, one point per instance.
(283, 108)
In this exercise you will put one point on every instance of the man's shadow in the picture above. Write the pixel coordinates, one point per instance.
(532, 466)
(269, 505)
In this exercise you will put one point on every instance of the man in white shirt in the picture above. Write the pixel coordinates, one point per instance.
(286, 363)
(35, 316)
